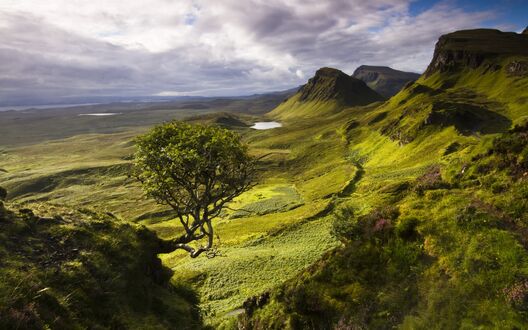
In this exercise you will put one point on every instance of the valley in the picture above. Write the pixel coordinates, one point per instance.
(433, 178)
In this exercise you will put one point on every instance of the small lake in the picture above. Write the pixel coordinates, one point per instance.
(101, 114)
(266, 125)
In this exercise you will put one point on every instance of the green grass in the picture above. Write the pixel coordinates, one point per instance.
(471, 231)
(78, 269)
(252, 267)
(457, 271)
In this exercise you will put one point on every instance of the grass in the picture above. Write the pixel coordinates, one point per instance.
(264, 200)
(462, 268)
(474, 284)
(225, 282)
(76, 269)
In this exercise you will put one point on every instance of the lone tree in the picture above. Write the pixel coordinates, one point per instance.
(196, 170)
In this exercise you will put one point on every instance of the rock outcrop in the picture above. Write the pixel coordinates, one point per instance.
(332, 84)
(476, 48)
(384, 80)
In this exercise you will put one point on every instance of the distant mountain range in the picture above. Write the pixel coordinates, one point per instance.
(384, 80)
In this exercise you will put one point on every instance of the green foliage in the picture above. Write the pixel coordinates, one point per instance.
(345, 225)
(266, 200)
(196, 170)
(455, 257)
(176, 156)
(406, 228)
(374, 225)
(370, 282)
(430, 180)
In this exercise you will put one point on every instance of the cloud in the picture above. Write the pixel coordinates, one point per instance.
(66, 48)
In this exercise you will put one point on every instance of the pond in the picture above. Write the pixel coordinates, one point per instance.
(266, 125)
(102, 114)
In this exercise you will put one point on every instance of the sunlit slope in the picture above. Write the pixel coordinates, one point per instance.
(278, 228)
(440, 236)
(408, 152)
(477, 82)
(329, 91)
(92, 170)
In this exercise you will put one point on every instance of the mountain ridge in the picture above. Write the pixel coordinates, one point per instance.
(329, 83)
(383, 79)
(326, 92)
(435, 233)
(474, 48)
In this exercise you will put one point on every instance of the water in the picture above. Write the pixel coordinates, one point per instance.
(101, 114)
(266, 125)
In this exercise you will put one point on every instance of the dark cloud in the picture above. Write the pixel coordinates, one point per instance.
(58, 51)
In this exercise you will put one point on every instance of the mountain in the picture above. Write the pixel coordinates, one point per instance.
(410, 213)
(384, 80)
(478, 48)
(332, 84)
(327, 91)
(434, 233)
(476, 83)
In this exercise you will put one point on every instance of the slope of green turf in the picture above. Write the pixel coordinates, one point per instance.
(76, 269)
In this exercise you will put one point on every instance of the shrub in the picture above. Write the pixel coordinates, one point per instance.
(345, 226)
(376, 224)
(3, 194)
(406, 228)
(431, 179)
(517, 294)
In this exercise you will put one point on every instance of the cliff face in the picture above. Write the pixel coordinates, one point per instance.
(475, 48)
(384, 80)
(332, 84)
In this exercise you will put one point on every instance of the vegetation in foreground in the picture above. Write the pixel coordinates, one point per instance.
(78, 269)
(196, 170)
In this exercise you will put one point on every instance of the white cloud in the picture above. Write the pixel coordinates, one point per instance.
(65, 47)
(299, 73)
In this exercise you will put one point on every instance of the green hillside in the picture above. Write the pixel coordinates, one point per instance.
(77, 269)
(435, 235)
(326, 93)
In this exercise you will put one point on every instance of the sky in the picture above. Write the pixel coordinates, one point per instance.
(59, 50)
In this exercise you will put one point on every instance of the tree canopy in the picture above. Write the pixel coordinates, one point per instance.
(196, 170)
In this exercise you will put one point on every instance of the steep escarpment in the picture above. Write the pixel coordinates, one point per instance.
(476, 83)
(328, 91)
(384, 80)
(476, 48)
(332, 84)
